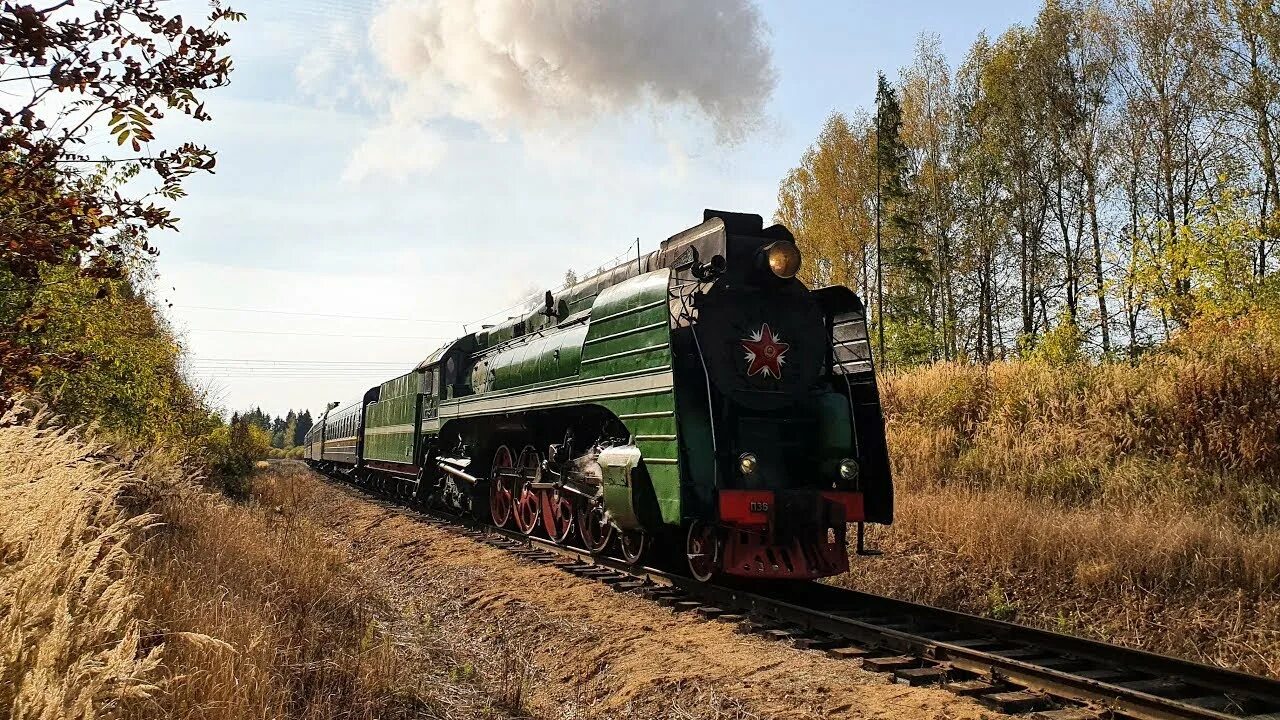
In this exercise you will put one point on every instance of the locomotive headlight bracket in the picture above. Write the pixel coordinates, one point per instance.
(848, 469)
(782, 258)
(747, 464)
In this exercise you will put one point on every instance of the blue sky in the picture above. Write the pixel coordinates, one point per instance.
(457, 213)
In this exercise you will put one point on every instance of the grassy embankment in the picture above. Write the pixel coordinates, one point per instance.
(134, 593)
(1134, 503)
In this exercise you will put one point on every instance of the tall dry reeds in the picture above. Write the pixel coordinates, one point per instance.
(70, 643)
(136, 593)
(1196, 426)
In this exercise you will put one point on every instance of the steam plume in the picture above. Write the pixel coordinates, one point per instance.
(529, 64)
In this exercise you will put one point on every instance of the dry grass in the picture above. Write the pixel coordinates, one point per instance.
(300, 636)
(137, 594)
(1195, 427)
(1188, 586)
(1134, 503)
(70, 643)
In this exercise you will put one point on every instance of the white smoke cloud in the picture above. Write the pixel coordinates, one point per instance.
(549, 66)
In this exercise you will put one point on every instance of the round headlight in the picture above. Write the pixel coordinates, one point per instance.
(783, 258)
(747, 463)
(848, 469)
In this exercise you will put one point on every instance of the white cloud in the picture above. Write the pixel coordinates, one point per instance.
(545, 70)
(531, 63)
(395, 152)
(319, 72)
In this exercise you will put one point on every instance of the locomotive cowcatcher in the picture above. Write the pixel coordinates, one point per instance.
(699, 398)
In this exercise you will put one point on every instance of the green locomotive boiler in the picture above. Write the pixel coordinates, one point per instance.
(699, 397)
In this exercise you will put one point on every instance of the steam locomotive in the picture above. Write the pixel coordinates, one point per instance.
(699, 398)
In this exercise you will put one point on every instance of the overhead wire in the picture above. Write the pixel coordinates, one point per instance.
(611, 262)
(274, 360)
(283, 370)
(325, 335)
(315, 314)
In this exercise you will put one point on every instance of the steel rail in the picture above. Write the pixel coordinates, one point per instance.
(1085, 678)
(1225, 680)
(1034, 673)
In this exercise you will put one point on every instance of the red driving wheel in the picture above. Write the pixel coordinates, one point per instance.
(557, 516)
(500, 484)
(526, 499)
(594, 525)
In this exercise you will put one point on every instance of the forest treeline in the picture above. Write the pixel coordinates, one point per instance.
(1084, 186)
(286, 431)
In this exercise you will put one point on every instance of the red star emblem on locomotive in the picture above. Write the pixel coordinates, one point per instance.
(764, 353)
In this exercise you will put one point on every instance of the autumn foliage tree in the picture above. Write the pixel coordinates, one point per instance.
(72, 76)
(1101, 177)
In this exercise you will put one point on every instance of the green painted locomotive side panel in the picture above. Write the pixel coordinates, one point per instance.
(620, 360)
(544, 359)
(559, 394)
(629, 329)
(396, 387)
(395, 446)
(582, 297)
(571, 354)
(653, 416)
(510, 373)
(389, 422)
(630, 333)
(525, 370)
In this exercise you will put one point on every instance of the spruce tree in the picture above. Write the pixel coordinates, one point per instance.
(903, 268)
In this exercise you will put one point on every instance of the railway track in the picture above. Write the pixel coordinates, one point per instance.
(1011, 668)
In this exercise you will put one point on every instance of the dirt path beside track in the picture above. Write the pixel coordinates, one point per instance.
(591, 653)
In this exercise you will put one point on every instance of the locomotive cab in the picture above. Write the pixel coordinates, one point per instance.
(778, 405)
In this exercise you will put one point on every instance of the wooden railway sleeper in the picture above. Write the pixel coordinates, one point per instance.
(928, 675)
